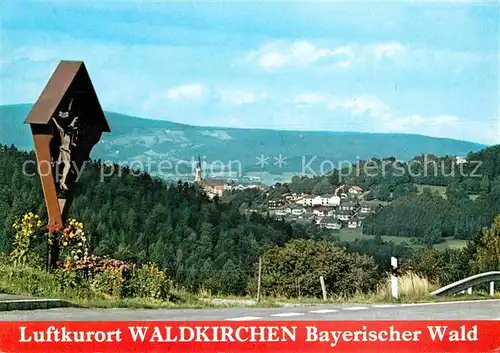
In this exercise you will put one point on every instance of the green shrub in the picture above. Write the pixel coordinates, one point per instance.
(27, 281)
(4, 259)
(294, 270)
(24, 280)
(108, 282)
(148, 281)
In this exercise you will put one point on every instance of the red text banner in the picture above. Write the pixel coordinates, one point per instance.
(253, 336)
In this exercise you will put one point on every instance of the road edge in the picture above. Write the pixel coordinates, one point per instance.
(34, 304)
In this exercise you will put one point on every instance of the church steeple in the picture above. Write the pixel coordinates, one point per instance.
(198, 171)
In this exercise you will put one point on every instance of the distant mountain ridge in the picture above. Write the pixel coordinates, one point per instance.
(138, 139)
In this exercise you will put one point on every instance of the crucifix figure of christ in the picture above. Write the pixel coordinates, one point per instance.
(67, 143)
(66, 122)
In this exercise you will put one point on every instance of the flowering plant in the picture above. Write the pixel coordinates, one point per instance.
(97, 264)
(51, 234)
(26, 229)
(108, 276)
(148, 281)
(74, 242)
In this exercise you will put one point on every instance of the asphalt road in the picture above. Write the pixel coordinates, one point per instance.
(465, 310)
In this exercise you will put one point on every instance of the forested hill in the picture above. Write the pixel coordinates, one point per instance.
(134, 140)
(490, 161)
(136, 218)
(470, 201)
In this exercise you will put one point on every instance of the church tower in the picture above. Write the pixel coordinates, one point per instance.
(198, 171)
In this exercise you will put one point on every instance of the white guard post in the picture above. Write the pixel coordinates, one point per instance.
(394, 277)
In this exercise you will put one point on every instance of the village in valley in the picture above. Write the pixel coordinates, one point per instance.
(343, 208)
(216, 187)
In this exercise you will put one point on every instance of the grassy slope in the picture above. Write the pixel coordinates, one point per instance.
(441, 190)
(32, 282)
(346, 234)
(37, 283)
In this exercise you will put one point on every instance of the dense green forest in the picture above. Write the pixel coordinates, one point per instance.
(385, 176)
(471, 201)
(431, 216)
(210, 244)
(200, 243)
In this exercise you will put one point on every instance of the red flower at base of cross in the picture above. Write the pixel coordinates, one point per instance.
(52, 228)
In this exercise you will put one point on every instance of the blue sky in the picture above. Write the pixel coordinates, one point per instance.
(412, 67)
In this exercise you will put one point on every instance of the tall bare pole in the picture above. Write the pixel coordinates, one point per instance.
(323, 287)
(259, 279)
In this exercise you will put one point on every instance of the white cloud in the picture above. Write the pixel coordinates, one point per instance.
(34, 54)
(384, 119)
(27, 65)
(200, 93)
(189, 93)
(272, 60)
(192, 91)
(299, 53)
(411, 121)
(372, 114)
(388, 50)
(309, 98)
(239, 97)
(273, 56)
(343, 64)
(306, 54)
(445, 126)
(361, 105)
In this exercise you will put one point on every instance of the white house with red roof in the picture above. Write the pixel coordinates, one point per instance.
(354, 189)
